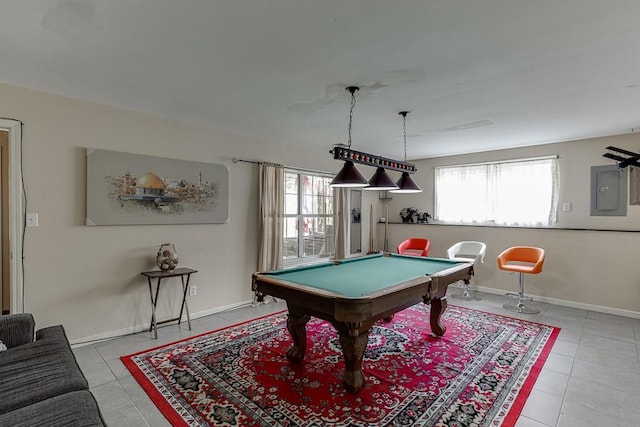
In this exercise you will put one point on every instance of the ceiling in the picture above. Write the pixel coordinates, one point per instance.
(475, 75)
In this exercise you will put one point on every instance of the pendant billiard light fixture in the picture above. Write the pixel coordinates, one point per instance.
(405, 183)
(349, 176)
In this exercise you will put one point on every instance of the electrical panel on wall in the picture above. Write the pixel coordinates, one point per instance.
(608, 191)
(634, 185)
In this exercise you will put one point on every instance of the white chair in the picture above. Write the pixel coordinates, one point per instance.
(467, 251)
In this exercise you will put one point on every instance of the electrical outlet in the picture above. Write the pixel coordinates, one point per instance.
(31, 220)
(193, 290)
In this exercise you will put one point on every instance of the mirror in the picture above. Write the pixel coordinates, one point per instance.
(355, 237)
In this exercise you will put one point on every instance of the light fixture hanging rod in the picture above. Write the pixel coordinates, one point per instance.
(405, 183)
(352, 90)
(404, 129)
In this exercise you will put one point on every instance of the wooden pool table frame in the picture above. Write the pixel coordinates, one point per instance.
(353, 317)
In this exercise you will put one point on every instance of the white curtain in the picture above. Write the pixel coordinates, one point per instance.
(341, 212)
(519, 193)
(271, 217)
(461, 194)
(526, 193)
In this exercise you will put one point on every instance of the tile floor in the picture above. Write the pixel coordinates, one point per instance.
(591, 378)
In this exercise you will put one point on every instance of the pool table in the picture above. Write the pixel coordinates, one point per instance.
(352, 294)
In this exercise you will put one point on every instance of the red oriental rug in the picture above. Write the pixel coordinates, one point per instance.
(479, 373)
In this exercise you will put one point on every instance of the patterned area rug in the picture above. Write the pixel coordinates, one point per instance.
(479, 373)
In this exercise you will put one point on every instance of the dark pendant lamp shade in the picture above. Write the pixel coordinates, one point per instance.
(349, 176)
(381, 181)
(406, 185)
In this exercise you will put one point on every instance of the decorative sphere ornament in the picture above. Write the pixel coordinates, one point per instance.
(167, 257)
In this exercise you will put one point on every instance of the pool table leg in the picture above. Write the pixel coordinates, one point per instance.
(296, 324)
(354, 343)
(438, 306)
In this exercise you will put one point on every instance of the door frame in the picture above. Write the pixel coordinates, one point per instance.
(16, 213)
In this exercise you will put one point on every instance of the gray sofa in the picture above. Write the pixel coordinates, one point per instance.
(41, 383)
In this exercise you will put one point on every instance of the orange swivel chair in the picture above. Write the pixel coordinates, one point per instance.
(522, 260)
(414, 246)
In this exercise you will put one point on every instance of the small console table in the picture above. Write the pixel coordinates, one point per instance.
(159, 275)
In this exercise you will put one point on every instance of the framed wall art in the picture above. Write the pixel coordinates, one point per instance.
(126, 189)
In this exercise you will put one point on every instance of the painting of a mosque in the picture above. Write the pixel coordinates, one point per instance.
(125, 188)
(148, 187)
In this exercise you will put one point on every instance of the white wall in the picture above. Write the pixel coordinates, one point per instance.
(583, 268)
(87, 278)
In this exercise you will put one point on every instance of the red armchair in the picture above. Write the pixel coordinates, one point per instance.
(414, 246)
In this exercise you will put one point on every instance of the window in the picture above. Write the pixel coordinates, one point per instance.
(309, 220)
(519, 192)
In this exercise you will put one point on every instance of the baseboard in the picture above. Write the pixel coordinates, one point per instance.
(566, 303)
(140, 328)
(80, 342)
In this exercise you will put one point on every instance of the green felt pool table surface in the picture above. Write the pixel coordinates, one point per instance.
(356, 277)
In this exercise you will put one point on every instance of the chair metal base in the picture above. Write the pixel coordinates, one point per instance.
(465, 295)
(521, 308)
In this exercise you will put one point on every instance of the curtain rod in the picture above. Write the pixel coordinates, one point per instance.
(236, 160)
(526, 159)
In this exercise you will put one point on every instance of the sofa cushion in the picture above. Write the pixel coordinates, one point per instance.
(39, 370)
(16, 329)
(77, 408)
